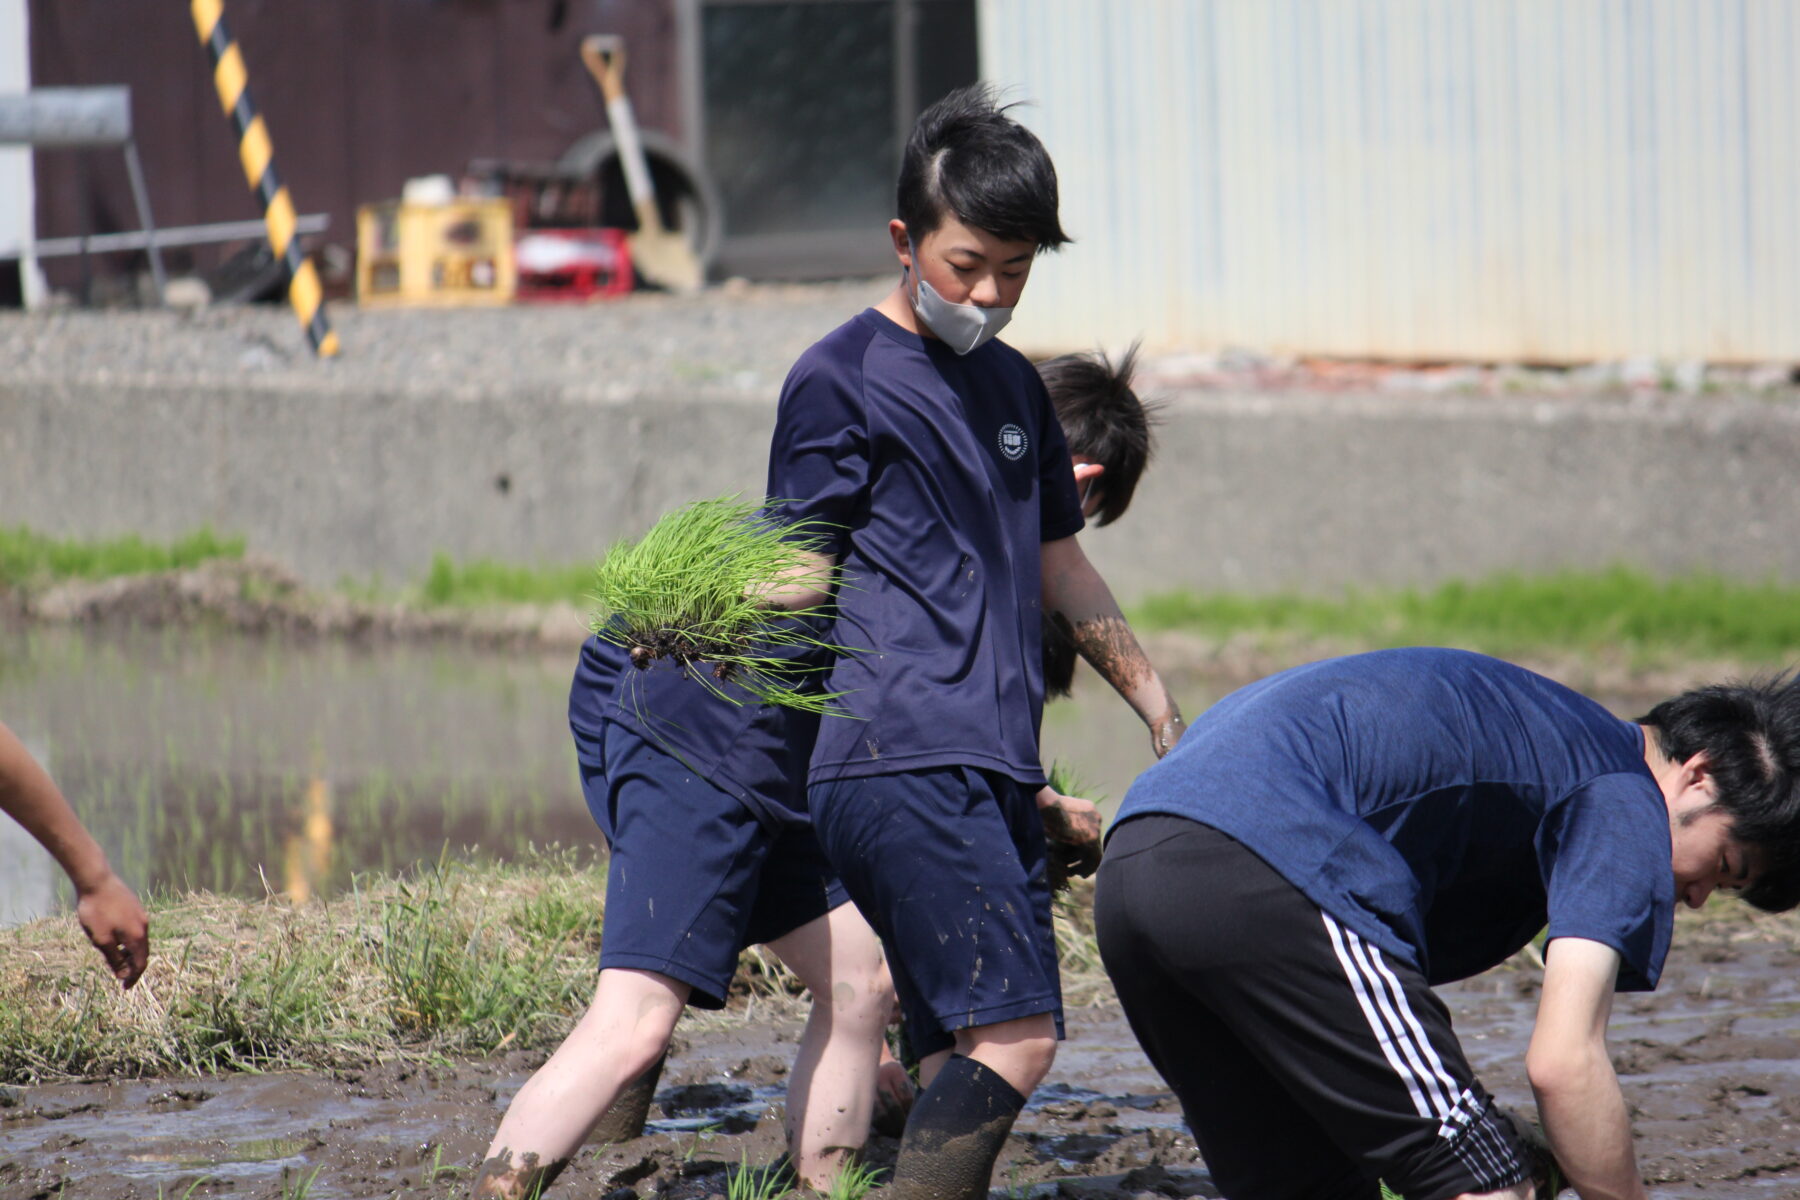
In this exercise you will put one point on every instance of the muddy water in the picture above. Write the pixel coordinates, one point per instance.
(216, 762)
(237, 764)
(1709, 1064)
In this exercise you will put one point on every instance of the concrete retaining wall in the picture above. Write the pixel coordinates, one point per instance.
(1249, 492)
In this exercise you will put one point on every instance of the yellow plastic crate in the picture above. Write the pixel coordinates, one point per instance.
(444, 255)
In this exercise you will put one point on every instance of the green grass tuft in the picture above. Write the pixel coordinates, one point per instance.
(485, 583)
(29, 559)
(694, 589)
(1590, 611)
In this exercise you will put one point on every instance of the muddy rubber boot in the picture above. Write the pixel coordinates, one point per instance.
(955, 1134)
(624, 1121)
(1546, 1173)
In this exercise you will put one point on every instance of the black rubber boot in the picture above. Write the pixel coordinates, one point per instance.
(955, 1134)
(625, 1119)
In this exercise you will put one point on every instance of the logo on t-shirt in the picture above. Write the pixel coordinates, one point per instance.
(1012, 442)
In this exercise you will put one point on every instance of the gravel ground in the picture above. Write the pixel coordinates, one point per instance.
(730, 339)
(736, 338)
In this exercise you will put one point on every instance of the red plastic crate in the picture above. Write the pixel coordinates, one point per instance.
(573, 264)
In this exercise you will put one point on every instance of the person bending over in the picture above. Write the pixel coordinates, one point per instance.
(1281, 892)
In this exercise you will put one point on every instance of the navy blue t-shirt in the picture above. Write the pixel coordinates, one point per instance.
(755, 752)
(941, 475)
(1443, 804)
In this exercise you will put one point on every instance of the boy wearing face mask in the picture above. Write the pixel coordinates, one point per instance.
(935, 453)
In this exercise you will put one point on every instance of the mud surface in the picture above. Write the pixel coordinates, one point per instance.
(1710, 1065)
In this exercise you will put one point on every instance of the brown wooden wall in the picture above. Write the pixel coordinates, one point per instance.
(359, 96)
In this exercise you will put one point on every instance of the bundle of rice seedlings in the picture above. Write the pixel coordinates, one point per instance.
(696, 588)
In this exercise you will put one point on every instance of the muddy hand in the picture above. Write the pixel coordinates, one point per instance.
(1073, 825)
(115, 922)
(894, 1094)
(1165, 732)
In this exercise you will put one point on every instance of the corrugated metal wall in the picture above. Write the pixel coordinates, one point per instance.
(1543, 180)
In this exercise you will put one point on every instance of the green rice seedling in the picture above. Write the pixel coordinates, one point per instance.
(1388, 1193)
(438, 1169)
(191, 1188)
(298, 1184)
(694, 588)
(759, 1182)
(856, 1180)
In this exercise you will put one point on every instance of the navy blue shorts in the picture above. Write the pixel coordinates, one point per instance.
(948, 866)
(694, 876)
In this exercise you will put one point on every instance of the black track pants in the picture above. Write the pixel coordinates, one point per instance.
(1309, 1064)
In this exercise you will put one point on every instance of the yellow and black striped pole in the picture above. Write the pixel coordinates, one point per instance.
(258, 157)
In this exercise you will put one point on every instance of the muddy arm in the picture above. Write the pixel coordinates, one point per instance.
(1577, 1092)
(108, 911)
(1077, 597)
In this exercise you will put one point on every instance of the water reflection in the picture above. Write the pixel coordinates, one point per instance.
(257, 766)
(254, 766)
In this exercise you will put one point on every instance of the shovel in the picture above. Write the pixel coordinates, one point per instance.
(662, 257)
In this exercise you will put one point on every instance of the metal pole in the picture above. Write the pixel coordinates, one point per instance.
(257, 155)
(141, 195)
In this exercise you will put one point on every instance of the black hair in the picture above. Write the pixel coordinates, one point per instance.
(966, 157)
(1103, 419)
(1751, 735)
(1059, 655)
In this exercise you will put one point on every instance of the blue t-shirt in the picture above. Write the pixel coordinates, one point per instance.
(755, 752)
(1443, 804)
(941, 475)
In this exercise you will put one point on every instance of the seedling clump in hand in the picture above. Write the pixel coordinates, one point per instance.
(695, 588)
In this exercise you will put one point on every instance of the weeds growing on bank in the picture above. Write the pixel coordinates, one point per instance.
(1586, 611)
(454, 960)
(29, 559)
(484, 583)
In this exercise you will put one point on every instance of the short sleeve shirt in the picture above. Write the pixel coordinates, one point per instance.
(1443, 804)
(939, 476)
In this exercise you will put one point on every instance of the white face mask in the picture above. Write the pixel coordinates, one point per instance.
(964, 328)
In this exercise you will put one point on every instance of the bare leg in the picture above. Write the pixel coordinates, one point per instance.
(831, 1089)
(623, 1033)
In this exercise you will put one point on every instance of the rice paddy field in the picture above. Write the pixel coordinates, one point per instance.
(377, 897)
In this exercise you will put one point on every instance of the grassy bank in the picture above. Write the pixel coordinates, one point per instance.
(30, 559)
(484, 583)
(1588, 612)
(457, 960)
(1611, 612)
